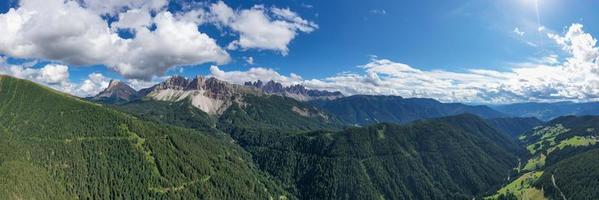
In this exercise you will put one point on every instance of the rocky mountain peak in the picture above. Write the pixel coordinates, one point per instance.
(209, 94)
(114, 83)
(298, 92)
(175, 82)
(117, 92)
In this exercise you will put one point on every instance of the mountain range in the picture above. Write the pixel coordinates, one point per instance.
(213, 96)
(368, 109)
(298, 92)
(548, 111)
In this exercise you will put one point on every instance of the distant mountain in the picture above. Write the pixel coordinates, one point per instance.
(117, 92)
(548, 111)
(55, 146)
(563, 161)
(365, 109)
(298, 92)
(515, 126)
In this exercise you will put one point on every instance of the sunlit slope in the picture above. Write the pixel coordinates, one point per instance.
(54, 146)
(563, 157)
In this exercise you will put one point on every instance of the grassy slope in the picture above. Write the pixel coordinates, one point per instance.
(558, 149)
(53, 146)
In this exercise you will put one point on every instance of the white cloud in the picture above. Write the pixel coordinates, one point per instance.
(141, 84)
(57, 76)
(249, 60)
(545, 79)
(53, 74)
(68, 32)
(378, 11)
(113, 7)
(95, 83)
(518, 32)
(153, 52)
(582, 47)
(253, 74)
(133, 19)
(261, 28)
(74, 32)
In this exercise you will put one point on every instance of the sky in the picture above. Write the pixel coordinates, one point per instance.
(471, 51)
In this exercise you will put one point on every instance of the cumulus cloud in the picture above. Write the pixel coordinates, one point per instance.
(253, 74)
(52, 74)
(133, 19)
(113, 7)
(57, 76)
(75, 32)
(260, 27)
(546, 79)
(94, 84)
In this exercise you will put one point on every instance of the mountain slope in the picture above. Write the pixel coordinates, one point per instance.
(514, 126)
(549, 111)
(210, 95)
(576, 177)
(562, 161)
(275, 112)
(449, 158)
(54, 146)
(363, 109)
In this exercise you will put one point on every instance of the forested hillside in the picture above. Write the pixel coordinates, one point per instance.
(450, 158)
(433, 159)
(54, 146)
(549, 111)
(515, 126)
(269, 112)
(365, 109)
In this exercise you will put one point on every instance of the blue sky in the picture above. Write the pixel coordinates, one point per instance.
(340, 39)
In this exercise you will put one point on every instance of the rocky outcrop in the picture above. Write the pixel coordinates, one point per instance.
(298, 92)
(208, 94)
